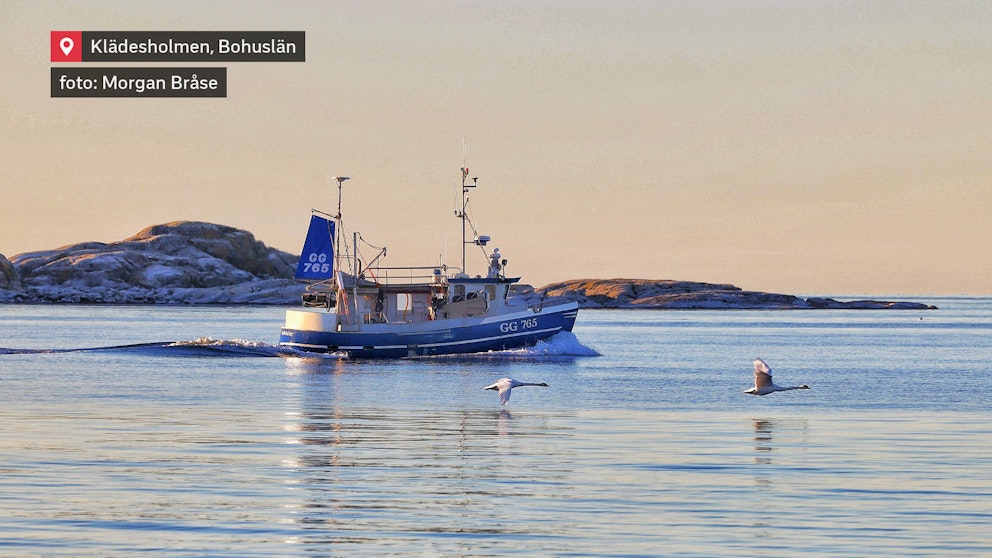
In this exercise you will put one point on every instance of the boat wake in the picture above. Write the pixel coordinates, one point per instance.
(201, 347)
(564, 343)
(561, 345)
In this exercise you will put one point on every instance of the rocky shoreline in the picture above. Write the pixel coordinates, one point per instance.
(689, 295)
(190, 262)
(183, 262)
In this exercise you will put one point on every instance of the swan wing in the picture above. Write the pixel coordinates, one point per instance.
(762, 381)
(760, 366)
(762, 376)
(503, 386)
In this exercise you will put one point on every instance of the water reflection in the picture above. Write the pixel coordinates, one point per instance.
(503, 422)
(365, 473)
(763, 440)
(765, 444)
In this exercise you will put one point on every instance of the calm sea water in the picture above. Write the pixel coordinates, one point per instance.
(224, 446)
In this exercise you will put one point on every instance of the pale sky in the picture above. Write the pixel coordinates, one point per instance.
(787, 146)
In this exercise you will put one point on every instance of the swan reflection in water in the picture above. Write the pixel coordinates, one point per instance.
(777, 435)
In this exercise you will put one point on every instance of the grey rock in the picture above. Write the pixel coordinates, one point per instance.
(175, 263)
(687, 295)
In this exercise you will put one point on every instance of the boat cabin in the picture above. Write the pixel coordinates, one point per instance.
(378, 302)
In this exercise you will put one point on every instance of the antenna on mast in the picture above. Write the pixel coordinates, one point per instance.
(463, 214)
(337, 219)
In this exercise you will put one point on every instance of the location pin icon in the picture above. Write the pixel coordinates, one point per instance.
(67, 46)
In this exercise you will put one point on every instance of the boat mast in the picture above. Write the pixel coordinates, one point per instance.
(354, 273)
(463, 215)
(337, 224)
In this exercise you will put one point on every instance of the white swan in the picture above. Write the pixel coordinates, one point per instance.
(763, 384)
(504, 385)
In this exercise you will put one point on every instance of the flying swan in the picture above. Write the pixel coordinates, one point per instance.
(504, 385)
(763, 381)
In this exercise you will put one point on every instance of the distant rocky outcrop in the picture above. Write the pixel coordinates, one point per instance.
(9, 278)
(689, 295)
(191, 262)
(181, 262)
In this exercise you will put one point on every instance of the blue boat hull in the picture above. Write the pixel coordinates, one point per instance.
(439, 337)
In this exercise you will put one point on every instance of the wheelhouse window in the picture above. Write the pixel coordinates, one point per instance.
(404, 302)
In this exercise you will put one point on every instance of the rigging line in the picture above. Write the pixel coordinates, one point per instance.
(344, 238)
(475, 232)
(369, 244)
(381, 250)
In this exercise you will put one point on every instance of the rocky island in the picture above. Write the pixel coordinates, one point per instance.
(689, 295)
(190, 262)
(175, 263)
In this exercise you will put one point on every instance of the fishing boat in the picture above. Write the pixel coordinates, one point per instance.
(362, 309)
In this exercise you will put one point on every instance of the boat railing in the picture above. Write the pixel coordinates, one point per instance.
(327, 285)
(374, 318)
(406, 275)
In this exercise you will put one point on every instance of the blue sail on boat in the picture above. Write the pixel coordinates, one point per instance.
(366, 310)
